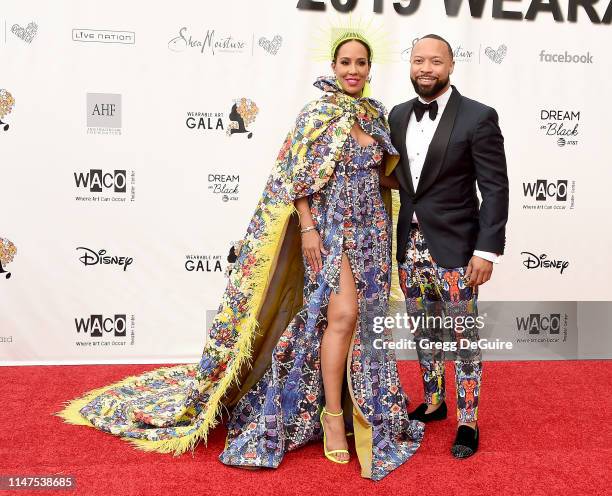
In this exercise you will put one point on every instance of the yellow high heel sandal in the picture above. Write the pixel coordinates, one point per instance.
(328, 454)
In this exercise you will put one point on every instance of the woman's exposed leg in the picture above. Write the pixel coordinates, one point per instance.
(341, 317)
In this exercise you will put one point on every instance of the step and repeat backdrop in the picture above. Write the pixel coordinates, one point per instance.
(136, 137)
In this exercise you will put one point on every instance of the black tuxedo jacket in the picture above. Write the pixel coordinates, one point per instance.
(467, 149)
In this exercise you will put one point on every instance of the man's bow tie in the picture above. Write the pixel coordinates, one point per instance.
(420, 108)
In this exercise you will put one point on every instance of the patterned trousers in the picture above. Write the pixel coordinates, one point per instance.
(443, 314)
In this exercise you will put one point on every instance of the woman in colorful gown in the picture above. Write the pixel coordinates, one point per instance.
(294, 351)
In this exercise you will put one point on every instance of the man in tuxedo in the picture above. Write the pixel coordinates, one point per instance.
(447, 241)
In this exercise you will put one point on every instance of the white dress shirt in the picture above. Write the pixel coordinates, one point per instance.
(418, 138)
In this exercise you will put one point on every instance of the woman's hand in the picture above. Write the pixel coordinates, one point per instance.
(312, 247)
(390, 181)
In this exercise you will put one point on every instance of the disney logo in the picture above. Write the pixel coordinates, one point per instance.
(534, 262)
(90, 257)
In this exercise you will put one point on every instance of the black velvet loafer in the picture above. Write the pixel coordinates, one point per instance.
(419, 413)
(466, 442)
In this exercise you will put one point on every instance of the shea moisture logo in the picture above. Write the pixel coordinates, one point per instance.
(462, 53)
(207, 42)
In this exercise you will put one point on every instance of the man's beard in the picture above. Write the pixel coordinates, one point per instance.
(434, 90)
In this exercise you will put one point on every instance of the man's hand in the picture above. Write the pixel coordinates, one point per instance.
(478, 271)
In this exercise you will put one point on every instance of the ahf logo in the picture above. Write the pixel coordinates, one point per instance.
(7, 254)
(7, 103)
(103, 113)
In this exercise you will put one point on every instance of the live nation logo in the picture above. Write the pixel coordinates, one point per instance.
(224, 186)
(100, 330)
(105, 186)
(561, 125)
(542, 328)
(549, 194)
(203, 263)
(533, 261)
(7, 254)
(104, 36)
(89, 257)
(104, 113)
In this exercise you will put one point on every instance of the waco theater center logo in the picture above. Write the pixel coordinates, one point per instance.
(105, 331)
(542, 327)
(115, 185)
(549, 194)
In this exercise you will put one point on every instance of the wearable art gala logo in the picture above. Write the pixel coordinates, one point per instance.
(499, 9)
(7, 102)
(203, 263)
(211, 42)
(561, 125)
(241, 115)
(7, 254)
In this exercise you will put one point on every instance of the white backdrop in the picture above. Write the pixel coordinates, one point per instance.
(59, 59)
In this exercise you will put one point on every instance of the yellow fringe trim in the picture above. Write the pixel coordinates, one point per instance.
(396, 296)
(268, 247)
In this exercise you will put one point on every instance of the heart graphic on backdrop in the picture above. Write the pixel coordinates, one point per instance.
(26, 34)
(271, 46)
(497, 55)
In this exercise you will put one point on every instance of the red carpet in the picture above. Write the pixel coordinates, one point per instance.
(545, 430)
